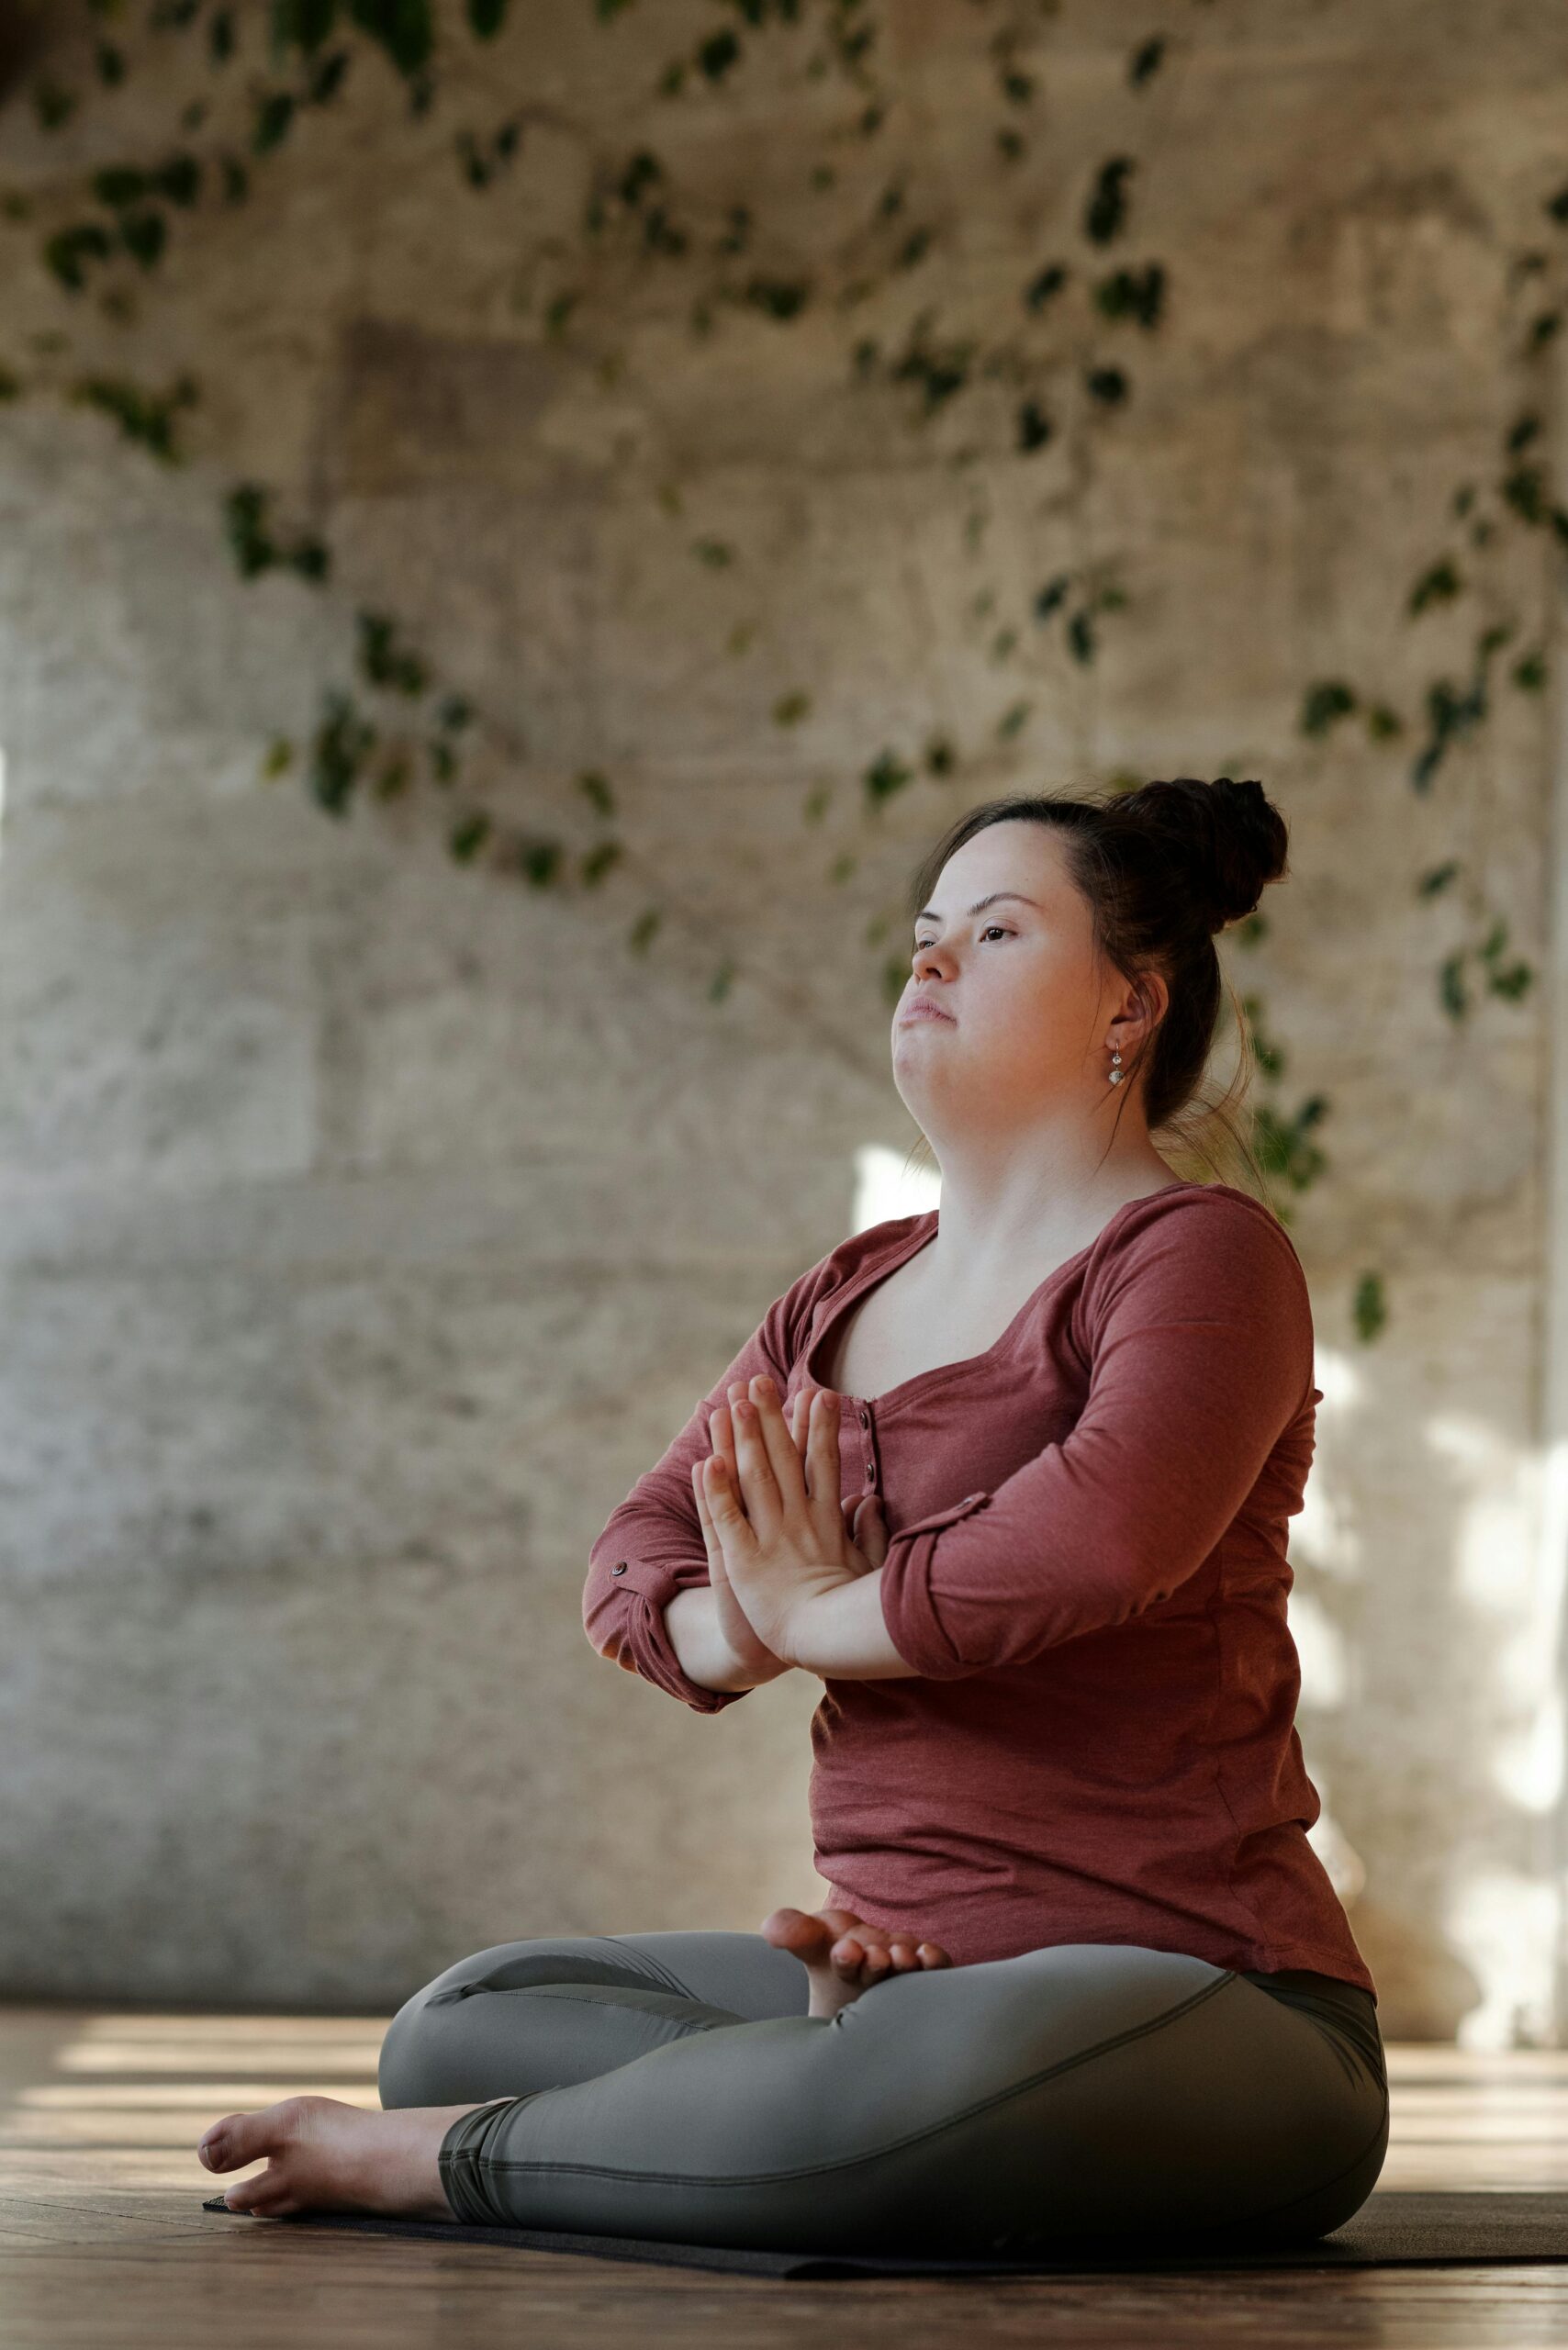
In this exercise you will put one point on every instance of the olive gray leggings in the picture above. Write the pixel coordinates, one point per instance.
(672, 2085)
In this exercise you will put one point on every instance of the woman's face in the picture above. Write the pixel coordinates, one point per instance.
(1019, 981)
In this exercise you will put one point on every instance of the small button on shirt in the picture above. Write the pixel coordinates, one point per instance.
(1087, 1571)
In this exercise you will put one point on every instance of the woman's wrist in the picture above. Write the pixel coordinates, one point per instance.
(703, 1651)
(841, 1635)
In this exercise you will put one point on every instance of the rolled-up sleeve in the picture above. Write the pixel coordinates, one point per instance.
(652, 1546)
(1200, 1356)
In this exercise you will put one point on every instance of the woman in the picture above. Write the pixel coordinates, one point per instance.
(1014, 1482)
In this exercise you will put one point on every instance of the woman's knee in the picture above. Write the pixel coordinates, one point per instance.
(427, 2053)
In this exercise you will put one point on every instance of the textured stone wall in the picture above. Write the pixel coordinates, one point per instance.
(367, 1223)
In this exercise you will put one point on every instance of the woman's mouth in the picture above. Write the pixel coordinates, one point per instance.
(922, 1008)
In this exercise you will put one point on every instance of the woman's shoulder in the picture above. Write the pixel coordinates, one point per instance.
(1208, 1231)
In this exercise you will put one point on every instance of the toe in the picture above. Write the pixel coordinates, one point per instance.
(796, 1930)
(215, 2146)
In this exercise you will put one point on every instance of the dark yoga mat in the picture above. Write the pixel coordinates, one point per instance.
(1439, 2229)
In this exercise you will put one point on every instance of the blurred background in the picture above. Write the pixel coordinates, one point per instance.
(519, 525)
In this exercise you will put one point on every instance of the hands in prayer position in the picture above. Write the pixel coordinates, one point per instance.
(777, 1533)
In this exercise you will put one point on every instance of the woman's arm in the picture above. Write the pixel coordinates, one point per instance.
(1201, 1358)
(652, 1550)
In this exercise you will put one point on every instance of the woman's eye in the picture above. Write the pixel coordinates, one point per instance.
(991, 929)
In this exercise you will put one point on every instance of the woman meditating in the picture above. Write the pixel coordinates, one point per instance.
(1012, 1479)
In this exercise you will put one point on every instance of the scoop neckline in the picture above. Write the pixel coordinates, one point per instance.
(868, 1277)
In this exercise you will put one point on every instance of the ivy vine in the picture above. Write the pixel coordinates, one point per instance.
(1059, 366)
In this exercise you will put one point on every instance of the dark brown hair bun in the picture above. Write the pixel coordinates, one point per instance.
(1227, 838)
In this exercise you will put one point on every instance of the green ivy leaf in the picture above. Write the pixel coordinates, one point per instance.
(467, 836)
(271, 121)
(144, 417)
(642, 933)
(598, 861)
(302, 25)
(383, 661)
(119, 185)
(718, 55)
(886, 774)
(486, 17)
(279, 758)
(777, 297)
(1106, 211)
(244, 517)
(1133, 294)
(539, 861)
(1525, 490)
(405, 29)
(789, 708)
(1439, 584)
(328, 78)
(1323, 704)
(1145, 60)
(109, 63)
(1368, 1308)
(1035, 427)
(596, 788)
(1451, 992)
(53, 105)
(69, 249)
(342, 744)
(144, 235)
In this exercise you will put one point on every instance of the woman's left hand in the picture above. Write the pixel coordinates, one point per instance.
(783, 1533)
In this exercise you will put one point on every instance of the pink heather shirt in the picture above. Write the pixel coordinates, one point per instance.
(1087, 1570)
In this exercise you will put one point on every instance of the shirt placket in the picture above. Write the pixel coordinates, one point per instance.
(865, 1434)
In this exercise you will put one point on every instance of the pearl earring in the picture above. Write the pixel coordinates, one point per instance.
(1117, 1071)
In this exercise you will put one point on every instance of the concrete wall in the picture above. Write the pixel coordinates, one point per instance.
(367, 1224)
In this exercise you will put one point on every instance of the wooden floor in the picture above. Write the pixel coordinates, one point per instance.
(102, 2240)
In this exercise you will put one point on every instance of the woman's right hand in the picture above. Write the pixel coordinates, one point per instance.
(757, 1658)
(863, 1519)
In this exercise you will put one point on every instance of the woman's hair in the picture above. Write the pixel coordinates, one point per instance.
(1163, 868)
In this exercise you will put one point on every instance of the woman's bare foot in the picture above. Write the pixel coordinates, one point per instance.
(323, 2156)
(843, 1956)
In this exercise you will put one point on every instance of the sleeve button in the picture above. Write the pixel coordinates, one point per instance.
(619, 1568)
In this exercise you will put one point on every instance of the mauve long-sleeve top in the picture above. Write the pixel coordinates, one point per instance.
(1087, 1568)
